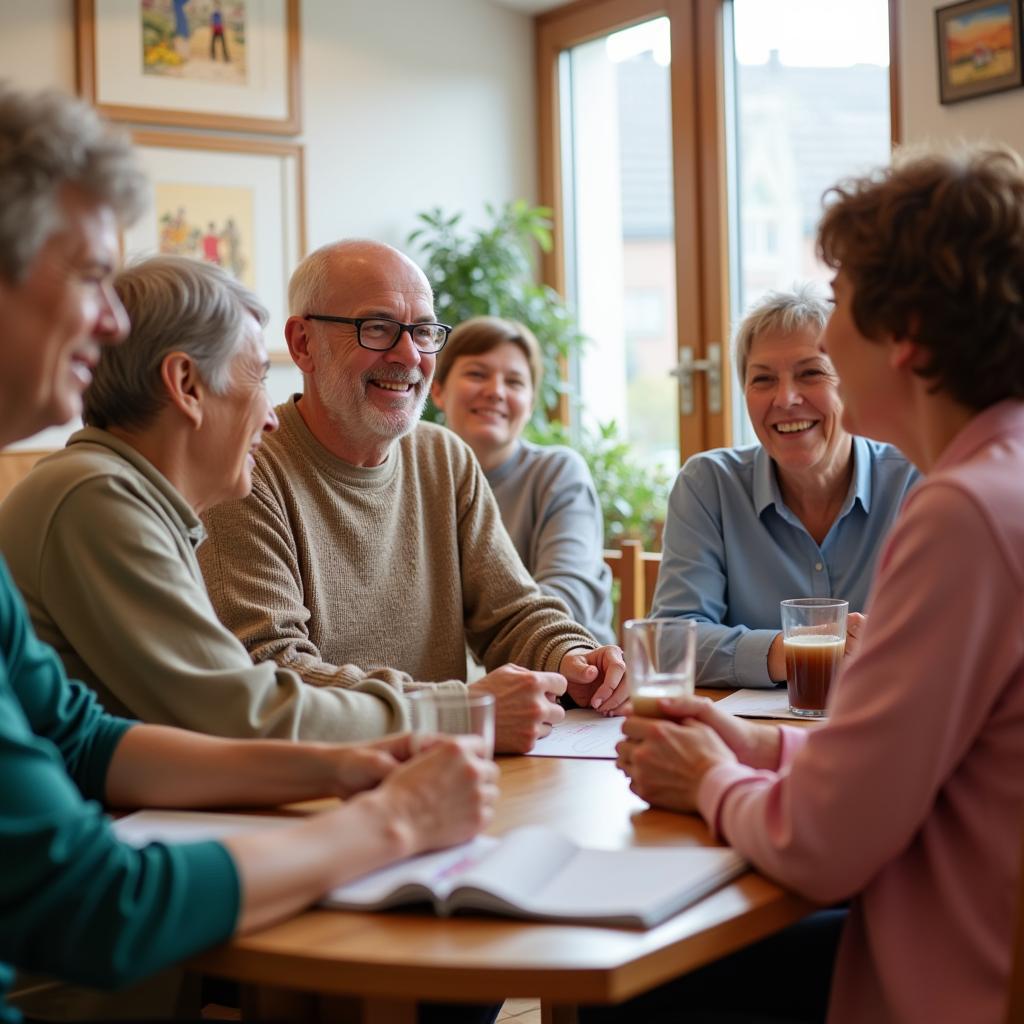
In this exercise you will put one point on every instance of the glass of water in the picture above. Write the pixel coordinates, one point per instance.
(660, 659)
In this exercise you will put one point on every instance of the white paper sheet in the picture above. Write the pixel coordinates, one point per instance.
(760, 704)
(144, 827)
(583, 734)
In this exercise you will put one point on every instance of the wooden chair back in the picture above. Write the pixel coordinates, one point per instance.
(636, 572)
(14, 466)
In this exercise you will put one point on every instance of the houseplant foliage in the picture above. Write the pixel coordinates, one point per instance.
(490, 271)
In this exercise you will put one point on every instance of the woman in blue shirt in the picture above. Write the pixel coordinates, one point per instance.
(801, 514)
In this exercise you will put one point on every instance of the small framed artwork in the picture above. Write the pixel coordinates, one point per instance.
(236, 203)
(979, 48)
(226, 64)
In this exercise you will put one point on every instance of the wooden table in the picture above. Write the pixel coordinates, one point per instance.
(383, 963)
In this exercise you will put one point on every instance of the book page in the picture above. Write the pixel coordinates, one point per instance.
(639, 886)
(522, 862)
(536, 872)
(584, 733)
(427, 875)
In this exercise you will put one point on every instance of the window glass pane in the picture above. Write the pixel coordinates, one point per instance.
(617, 161)
(810, 106)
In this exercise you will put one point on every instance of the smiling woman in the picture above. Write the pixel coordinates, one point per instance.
(487, 379)
(801, 514)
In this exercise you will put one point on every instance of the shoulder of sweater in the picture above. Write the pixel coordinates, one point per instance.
(438, 444)
(555, 464)
(968, 501)
(57, 476)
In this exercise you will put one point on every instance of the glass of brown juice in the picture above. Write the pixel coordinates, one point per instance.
(660, 658)
(814, 639)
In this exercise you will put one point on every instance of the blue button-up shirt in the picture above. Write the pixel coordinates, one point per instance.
(733, 551)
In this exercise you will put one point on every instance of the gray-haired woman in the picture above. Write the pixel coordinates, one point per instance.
(801, 514)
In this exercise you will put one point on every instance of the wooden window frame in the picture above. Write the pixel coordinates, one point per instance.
(700, 178)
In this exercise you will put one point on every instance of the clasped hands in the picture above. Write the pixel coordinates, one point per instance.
(526, 702)
(667, 758)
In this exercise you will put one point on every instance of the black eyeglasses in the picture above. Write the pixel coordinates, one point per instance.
(380, 334)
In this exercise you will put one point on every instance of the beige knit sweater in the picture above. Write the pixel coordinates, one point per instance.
(335, 570)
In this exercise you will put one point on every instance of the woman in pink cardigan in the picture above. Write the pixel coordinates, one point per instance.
(909, 802)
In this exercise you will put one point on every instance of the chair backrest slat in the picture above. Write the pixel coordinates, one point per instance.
(14, 466)
(636, 571)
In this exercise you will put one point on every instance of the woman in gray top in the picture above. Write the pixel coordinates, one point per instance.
(487, 378)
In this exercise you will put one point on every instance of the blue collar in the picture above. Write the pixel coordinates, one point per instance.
(766, 484)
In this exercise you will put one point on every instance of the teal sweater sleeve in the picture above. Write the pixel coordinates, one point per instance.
(74, 901)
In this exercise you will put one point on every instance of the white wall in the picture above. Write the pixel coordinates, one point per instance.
(999, 117)
(411, 104)
(407, 105)
(37, 44)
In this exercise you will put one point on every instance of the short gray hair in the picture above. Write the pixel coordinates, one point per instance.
(311, 279)
(49, 140)
(175, 304)
(780, 312)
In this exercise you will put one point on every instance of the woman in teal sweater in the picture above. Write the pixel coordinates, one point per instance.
(74, 901)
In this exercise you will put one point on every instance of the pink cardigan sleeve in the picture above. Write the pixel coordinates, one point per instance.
(941, 640)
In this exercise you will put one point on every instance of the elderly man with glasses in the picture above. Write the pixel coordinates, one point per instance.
(370, 539)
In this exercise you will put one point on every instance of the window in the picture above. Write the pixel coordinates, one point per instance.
(617, 184)
(685, 145)
(810, 106)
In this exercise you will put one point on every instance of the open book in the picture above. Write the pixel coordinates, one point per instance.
(532, 872)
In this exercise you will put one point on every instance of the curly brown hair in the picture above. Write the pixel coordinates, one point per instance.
(933, 247)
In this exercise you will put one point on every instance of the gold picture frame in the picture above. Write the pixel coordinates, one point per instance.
(156, 62)
(236, 202)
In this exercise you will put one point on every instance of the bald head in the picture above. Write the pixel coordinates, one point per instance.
(344, 271)
(359, 399)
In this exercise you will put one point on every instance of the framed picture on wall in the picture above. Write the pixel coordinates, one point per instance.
(227, 64)
(236, 203)
(979, 48)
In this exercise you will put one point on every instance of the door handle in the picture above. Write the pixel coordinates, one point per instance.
(689, 365)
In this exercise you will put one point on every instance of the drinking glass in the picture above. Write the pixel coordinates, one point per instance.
(434, 712)
(660, 658)
(814, 639)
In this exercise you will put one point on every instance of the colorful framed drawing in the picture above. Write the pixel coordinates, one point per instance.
(226, 64)
(979, 48)
(236, 203)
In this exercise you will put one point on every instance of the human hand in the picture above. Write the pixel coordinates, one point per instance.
(666, 761)
(597, 679)
(356, 767)
(524, 705)
(444, 795)
(855, 623)
(777, 660)
(753, 743)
